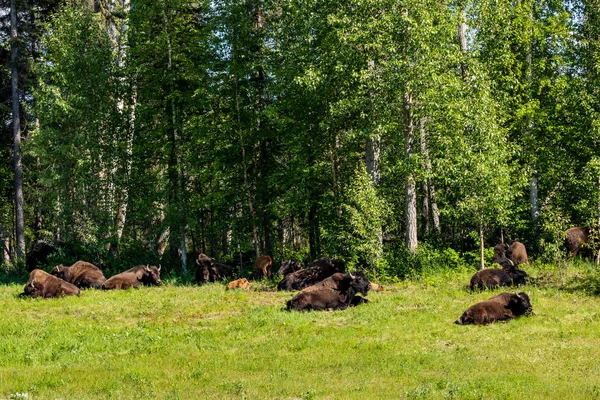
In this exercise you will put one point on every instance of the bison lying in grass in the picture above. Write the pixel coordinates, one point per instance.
(81, 274)
(42, 284)
(334, 293)
(208, 270)
(501, 307)
(319, 270)
(493, 277)
(136, 276)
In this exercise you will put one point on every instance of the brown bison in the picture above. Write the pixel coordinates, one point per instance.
(336, 292)
(208, 270)
(519, 253)
(575, 239)
(239, 284)
(139, 275)
(81, 274)
(502, 255)
(319, 270)
(39, 255)
(262, 267)
(501, 307)
(493, 277)
(42, 284)
(288, 267)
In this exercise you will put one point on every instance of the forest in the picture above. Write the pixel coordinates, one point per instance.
(397, 135)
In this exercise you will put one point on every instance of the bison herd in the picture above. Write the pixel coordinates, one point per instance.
(322, 285)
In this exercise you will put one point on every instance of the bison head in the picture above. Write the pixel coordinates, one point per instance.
(520, 304)
(288, 267)
(62, 272)
(152, 275)
(359, 283)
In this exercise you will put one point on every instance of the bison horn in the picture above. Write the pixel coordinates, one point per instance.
(351, 276)
(32, 281)
(159, 267)
(147, 267)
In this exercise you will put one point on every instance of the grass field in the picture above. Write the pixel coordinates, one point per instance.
(193, 342)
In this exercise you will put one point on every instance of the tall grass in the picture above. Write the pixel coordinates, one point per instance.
(205, 342)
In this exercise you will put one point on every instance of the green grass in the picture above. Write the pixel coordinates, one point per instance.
(193, 342)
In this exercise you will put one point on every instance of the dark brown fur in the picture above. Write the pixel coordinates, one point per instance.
(319, 270)
(501, 307)
(336, 292)
(134, 277)
(493, 277)
(289, 266)
(208, 270)
(262, 267)
(42, 284)
(81, 274)
(575, 238)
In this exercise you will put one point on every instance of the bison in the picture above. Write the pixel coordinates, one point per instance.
(493, 277)
(81, 274)
(319, 270)
(575, 239)
(289, 266)
(519, 253)
(239, 284)
(139, 275)
(501, 307)
(42, 284)
(262, 267)
(502, 255)
(336, 292)
(39, 255)
(208, 270)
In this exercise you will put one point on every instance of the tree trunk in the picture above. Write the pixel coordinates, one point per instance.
(16, 125)
(481, 247)
(372, 155)
(462, 37)
(425, 208)
(533, 197)
(313, 232)
(4, 246)
(429, 189)
(411, 193)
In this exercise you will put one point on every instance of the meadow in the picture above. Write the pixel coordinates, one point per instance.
(188, 342)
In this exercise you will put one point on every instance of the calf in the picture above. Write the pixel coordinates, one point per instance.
(262, 267)
(336, 292)
(239, 284)
(139, 275)
(42, 284)
(81, 274)
(493, 277)
(319, 270)
(289, 266)
(208, 270)
(501, 307)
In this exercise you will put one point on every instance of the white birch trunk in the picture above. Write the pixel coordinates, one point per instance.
(411, 193)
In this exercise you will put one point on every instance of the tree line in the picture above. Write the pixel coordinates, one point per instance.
(370, 130)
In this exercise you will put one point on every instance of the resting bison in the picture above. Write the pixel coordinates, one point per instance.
(334, 293)
(502, 307)
(575, 238)
(134, 277)
(319, 270)
(493, 277)
(81, 274)
(208, 270)
(289, 266)
(38, 255)
(519, 253)
(42, 284)
(502, 255)
(263, 266)
(239, 284)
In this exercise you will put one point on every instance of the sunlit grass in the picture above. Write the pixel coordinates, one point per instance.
(205, 342)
